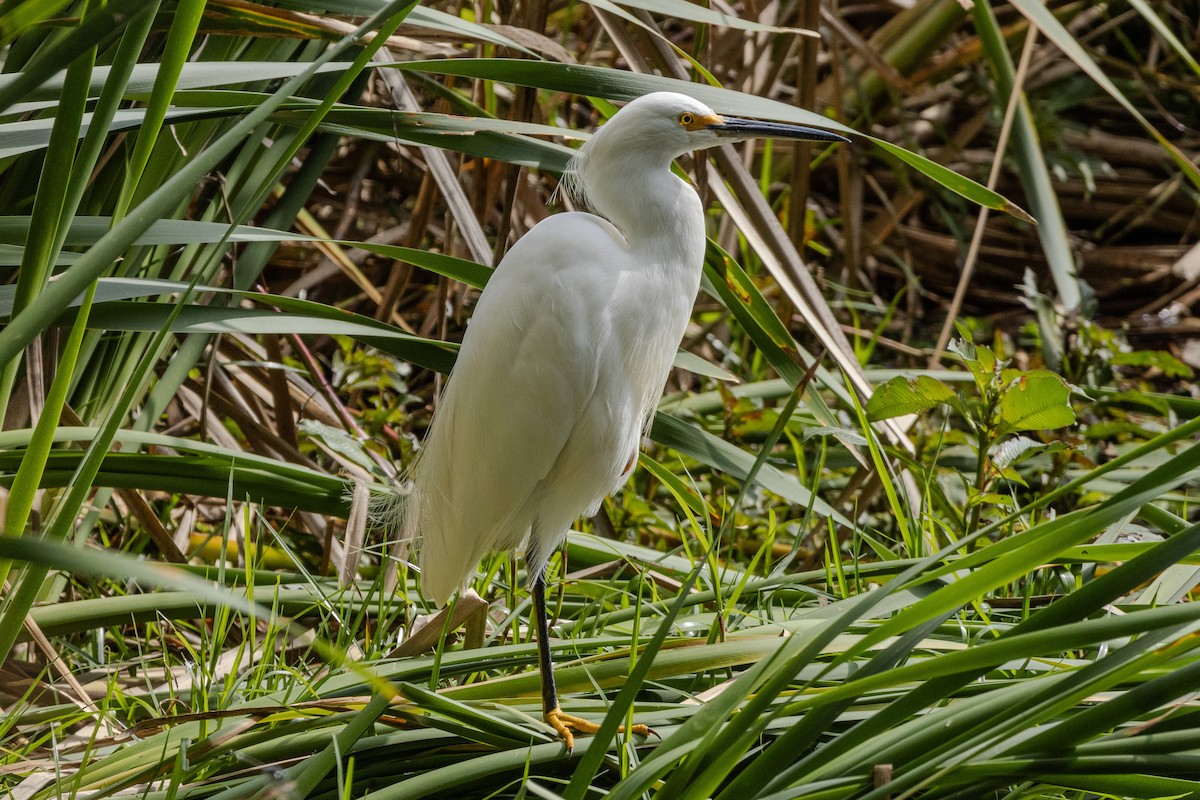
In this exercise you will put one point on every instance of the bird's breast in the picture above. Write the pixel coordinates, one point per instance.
(655, 307)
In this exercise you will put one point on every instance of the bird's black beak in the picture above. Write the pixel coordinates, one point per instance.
(736, 128)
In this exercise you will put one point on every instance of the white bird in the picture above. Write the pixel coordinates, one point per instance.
(566, 356)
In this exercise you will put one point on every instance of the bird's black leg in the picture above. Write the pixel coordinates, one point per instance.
(551, 712)
(554, 716)
(545, 662)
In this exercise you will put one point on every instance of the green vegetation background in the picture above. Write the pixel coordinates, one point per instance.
(239, 240)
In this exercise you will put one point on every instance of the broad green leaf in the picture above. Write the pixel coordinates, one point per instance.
(901, 396)
(1034, 401)
(850, 437)
(1017, 449)
(979, 360)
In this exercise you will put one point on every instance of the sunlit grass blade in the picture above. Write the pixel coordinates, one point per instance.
(109, 248)
(175, 53)
(618, 85)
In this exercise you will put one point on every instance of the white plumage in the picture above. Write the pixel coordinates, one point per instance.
(569, 348)
(563, 361)
(565, 358)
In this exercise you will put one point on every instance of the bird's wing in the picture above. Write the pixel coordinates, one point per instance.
(525, 374)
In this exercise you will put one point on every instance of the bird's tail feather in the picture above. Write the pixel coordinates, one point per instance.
(388, 511)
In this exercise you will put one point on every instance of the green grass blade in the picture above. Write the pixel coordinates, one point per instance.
(619, 85)
(21, 330)
(184, 23)
(1035, 175)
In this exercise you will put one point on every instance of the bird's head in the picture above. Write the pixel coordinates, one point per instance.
(659, 127)
(675, 124)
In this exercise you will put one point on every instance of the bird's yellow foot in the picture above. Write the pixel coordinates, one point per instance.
(565, 723)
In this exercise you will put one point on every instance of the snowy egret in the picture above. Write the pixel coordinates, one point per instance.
(566, 356)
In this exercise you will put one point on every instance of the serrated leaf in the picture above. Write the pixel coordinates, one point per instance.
(901, 396)
(963, 348)
(1034, 401)
(986, 358)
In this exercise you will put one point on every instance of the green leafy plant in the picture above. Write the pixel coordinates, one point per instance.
(1006, 403)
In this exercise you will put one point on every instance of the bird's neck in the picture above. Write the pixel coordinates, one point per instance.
(661, 216)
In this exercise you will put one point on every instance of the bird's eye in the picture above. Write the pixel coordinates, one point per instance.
(687, 119)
